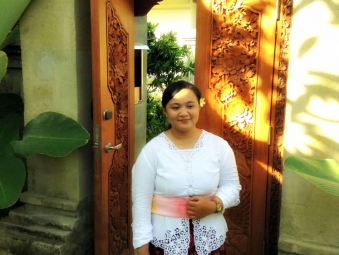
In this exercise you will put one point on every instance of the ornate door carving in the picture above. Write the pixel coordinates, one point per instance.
(235, 65)
(113, 84)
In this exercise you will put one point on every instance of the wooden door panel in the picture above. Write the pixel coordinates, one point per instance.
(113, 84)
(234, 69)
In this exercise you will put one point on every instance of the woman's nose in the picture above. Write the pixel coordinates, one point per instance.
(183, 112)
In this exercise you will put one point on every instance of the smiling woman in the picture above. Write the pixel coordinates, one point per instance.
(182, 182)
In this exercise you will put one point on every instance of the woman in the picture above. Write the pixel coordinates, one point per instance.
(182, 182)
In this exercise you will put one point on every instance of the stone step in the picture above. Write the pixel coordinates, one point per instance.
(40, 230)
(31, 215)
(34, 231)
(23, 244)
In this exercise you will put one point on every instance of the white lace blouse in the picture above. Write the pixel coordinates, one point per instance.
(164, 170)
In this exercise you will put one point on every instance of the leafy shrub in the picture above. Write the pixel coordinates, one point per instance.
(156, 120)
(167, 62)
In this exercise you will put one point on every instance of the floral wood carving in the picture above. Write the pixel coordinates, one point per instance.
(117, 83)
(233, 79)
(276, 180)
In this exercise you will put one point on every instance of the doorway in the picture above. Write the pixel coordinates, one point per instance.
(256, 136)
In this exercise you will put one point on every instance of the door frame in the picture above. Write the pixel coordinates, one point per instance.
(277, 122)
(278, 107)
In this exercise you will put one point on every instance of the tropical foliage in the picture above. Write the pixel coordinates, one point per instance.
(49, 133)
(323, 173)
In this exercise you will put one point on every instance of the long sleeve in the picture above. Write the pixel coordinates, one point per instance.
(229, 185)
(143, 176)
(162, 169)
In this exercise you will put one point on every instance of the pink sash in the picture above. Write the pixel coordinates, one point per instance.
(171, 206)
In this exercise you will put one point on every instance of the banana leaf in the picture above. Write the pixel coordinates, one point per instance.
(9, 131)
(10, 12)
(12, 37)
(323, 173)
(12, 180)
(52, 134)
(3, 64)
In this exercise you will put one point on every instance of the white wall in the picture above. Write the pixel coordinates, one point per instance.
(178, 16)
(310, 216)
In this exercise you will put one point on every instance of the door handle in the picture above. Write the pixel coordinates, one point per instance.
(109, 147)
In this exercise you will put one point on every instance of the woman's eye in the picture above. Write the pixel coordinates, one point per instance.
(175, 108)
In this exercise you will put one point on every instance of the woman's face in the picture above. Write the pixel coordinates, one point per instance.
(183, 110)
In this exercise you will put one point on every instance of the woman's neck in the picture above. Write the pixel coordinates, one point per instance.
(186, 140)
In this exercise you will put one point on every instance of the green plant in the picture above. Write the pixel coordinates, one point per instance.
(10, 12)
(323, 173)
(166, 59)
(167, 62)
(50, 133)
(156, 120)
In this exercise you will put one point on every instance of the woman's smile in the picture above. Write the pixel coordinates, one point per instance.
(184, 120)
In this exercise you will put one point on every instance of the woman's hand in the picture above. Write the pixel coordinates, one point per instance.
(199, 207)
(143, 250)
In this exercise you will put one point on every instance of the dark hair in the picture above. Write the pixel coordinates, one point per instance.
(173, 88)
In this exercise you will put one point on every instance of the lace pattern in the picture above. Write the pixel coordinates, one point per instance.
(177, 241)
(233, 193)
(187, 161)
(205, 239)
(198, 144)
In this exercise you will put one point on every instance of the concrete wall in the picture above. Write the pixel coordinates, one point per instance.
(56, 66)
(309, 216)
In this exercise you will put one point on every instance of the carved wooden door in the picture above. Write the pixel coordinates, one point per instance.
(234, 69)
(113, 106)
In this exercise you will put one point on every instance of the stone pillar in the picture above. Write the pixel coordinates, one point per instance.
(57, 215)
